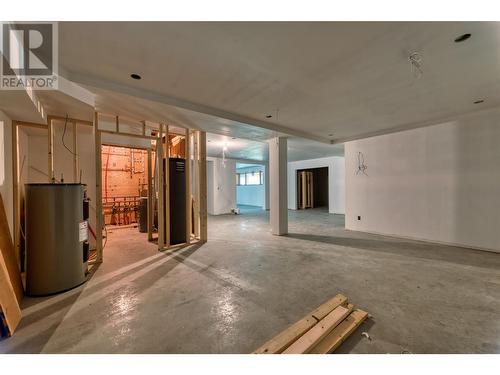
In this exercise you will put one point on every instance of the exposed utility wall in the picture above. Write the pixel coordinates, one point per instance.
(124, 180)
(33, 159)
(221, 186)
(252, 195)
(336, 181)
(438, 183)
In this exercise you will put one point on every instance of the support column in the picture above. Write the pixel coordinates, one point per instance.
(278, 186)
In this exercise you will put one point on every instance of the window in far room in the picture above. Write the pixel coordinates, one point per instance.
(250, 178)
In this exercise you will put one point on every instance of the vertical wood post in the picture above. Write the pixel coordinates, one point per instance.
(161, 189)
(50, 129)
(166, 155)
(203, 187)
(187, 145)
(98, 188)
(76, 166)
(196, 182)
(16, 198)
(150, 212)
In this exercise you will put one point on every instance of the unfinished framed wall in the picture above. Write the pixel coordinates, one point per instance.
(73, 171)
(165, 142)
(193, 150)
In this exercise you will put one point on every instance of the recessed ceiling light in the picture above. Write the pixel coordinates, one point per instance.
(269, 116)
(479, 101)
(135, 76)
(461, 38)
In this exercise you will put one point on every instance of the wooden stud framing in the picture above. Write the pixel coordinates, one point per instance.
(166, 180)
(203, 186)
(143, 127)
(71, 119)
(98, 188)
(50, 129)
(117, 124)
(76, 166)
(187, 145)
(196, 176)
(17, 203)
(161, 189)
(150, 197)
(127, 134)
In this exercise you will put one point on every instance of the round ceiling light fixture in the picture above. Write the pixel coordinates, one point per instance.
(462, 38)
(479, 101)
(135, 76)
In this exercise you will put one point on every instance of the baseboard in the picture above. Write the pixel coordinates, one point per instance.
(497, 251)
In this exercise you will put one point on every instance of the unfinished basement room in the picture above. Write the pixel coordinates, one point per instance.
(250, 188)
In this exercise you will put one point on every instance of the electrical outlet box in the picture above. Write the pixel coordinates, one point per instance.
(359, 217)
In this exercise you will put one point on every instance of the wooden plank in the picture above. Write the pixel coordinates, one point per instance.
(196, 182)
(166, 181)
(15, 188)
(9, 306)
(50, 130)
(336, 337)
(161, 190)
(283, 340)
(187, 145)
(150, 197)
(203, 187)
(311, 338)
(9, 255)
(71, 119)
(98, 188)
(76, 166)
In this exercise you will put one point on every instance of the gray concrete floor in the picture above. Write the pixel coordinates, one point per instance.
(245, 285)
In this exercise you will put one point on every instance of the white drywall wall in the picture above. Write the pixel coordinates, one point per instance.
(6, 176)
(439, 183)
(336, 181)
(223, 186)
(251, 195)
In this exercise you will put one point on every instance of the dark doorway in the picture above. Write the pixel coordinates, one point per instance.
(312, 188)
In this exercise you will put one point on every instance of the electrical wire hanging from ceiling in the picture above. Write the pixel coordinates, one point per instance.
(416, 64)
(362, 167)
(64, 134)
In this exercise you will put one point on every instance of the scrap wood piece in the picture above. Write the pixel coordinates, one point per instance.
(9, 255)
(283, 340)
(338, 335)
(9, 307)
(312, 337)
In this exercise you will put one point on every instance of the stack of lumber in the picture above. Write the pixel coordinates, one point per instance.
(11, 286)
(320, 332)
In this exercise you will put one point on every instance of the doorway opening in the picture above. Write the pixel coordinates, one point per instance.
(125, 209)
(312, 188)
(250, 187)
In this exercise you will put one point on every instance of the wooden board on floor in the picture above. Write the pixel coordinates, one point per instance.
(283, 340)
(9, 307)
(312, 337)
(338, 335)
(9, 256)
